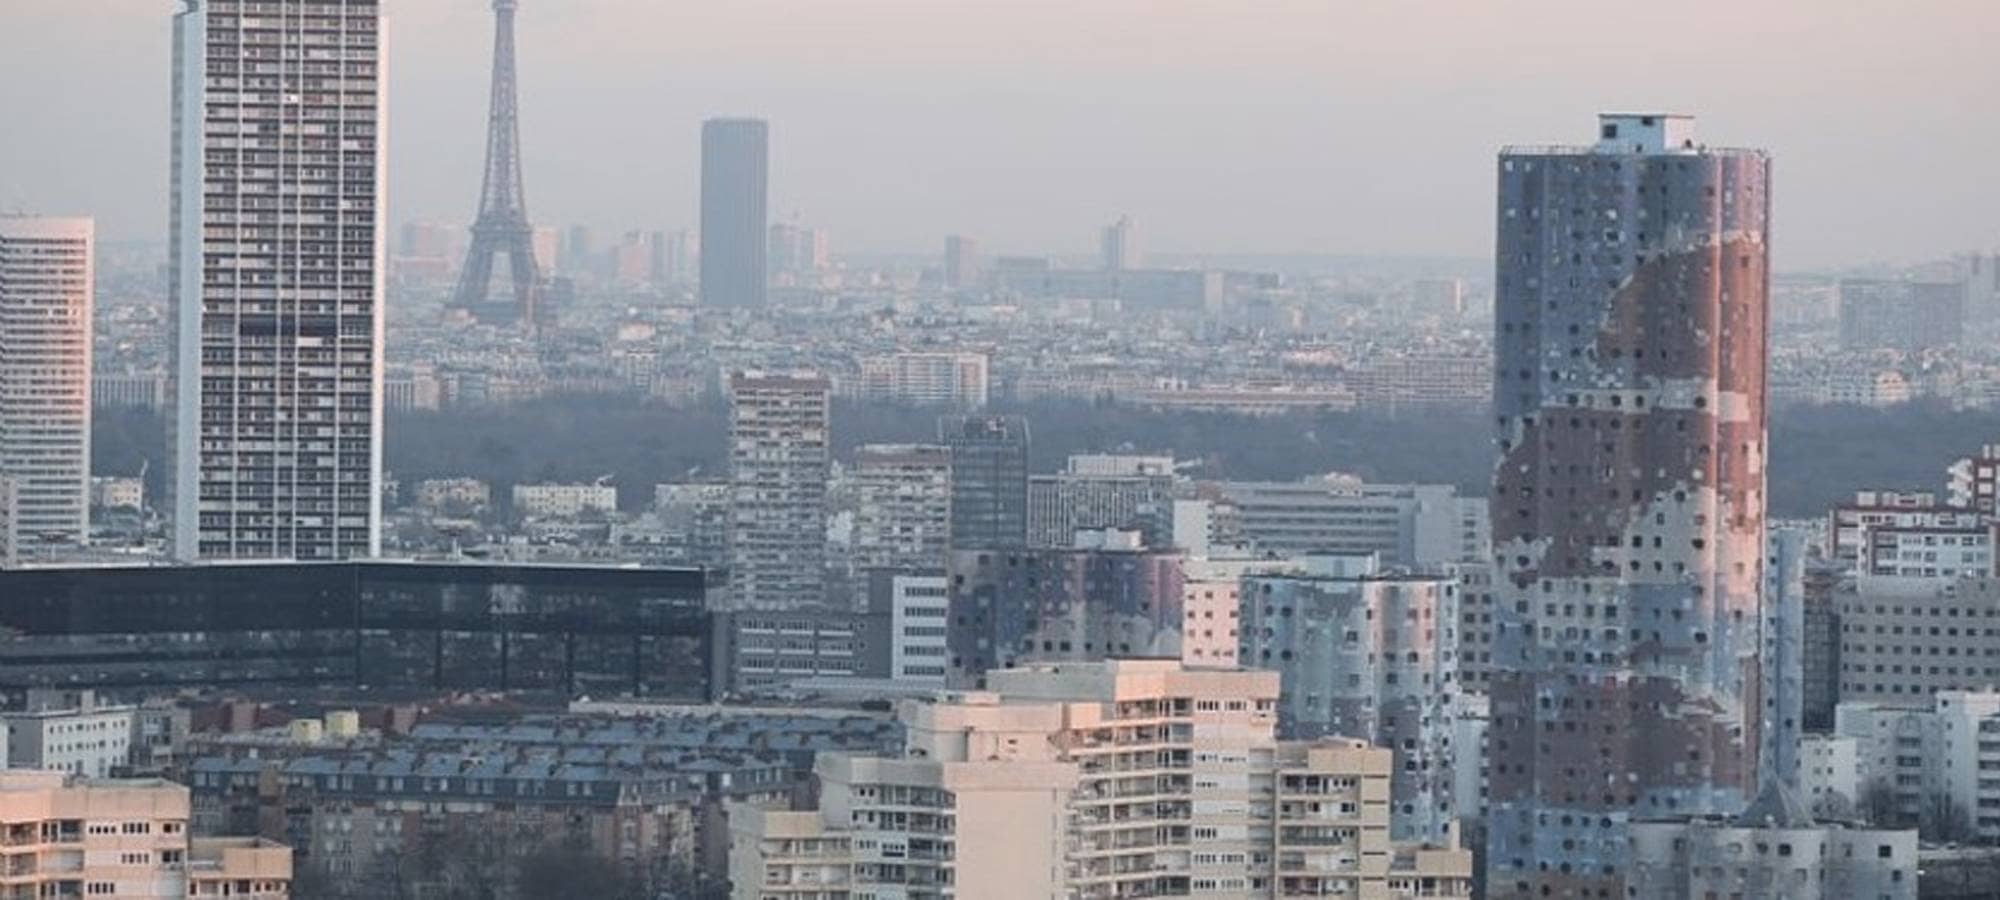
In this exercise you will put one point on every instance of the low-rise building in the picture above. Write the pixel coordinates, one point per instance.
(564, 501)
(69, 731)
(1774, 849)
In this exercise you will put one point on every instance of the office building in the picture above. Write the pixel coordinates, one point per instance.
(126, 838)
(1128, 778)
(1372, 655)
(1406, 525)
(1774, 848)
(961, 262)
(989, 480)
(1628, 500)
(796, 250)
(1118, 245)
(778, 439)
(735, 170)
(1127, 492)
(69, 731)
(768, 652)
(1016, 606)
(956, 380)
(902, 498)
(1901, 315)
(47, 278)
(276, 249)
(919, 605)
(389, 626)
(1903, 640)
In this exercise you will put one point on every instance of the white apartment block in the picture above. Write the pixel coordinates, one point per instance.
(71, 733)
(47, 277)
(1936, 766)
(1960, 550)
(113, 492)
(1774, 849)
(902, 497)
(564, 501)
(1081, 781)
(919, 620)
(1848, 523)
(69, 836)
(778, 465)
(1407, 525)
(1829, 773)
(465, 493)
(927, 379)
(276, 250)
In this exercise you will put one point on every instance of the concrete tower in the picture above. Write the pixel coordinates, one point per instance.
(1628, 500)
(276, 249)
(778, 460)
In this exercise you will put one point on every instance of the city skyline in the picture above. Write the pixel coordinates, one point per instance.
(1329, 170)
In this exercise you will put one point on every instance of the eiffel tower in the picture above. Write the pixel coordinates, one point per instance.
(502, 226)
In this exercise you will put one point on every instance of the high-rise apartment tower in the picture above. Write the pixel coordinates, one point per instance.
(276, 248)
(1628, 499)
(778, 445)
(735, 171)
(46, 289)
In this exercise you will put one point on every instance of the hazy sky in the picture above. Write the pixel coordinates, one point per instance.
(1339, 126)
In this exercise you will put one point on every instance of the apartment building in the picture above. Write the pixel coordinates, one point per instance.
(71, 836)
(1097, 492)
(1406, 524)
(1368, 654)
(926, 379)
(69, 731)
(902, 506)
(1096, 780)
(1931, 765)
(1015, 606)
(1775, 848)
(1904, 639)
(564, 501)
(778, 463)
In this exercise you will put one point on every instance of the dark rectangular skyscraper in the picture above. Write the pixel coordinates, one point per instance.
(1628, 501)
(735, 169)
(989, 480)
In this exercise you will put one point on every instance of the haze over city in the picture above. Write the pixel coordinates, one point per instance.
(1276, 126)
(975, 450)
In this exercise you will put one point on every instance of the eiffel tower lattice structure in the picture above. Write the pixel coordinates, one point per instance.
(502, 228)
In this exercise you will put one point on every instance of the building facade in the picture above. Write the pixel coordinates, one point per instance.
(1902, 640)
(778, 463)
(1370, 655)
(1901, 315)
(1774, 849)
(126, 838)
(47, 294)
(1628, 500)
(1098, 492)
(989, 480)
(1404, 524)
(1131, 778)
(735, 172)
(902, 515)
(70, 731)
(276, 250)
(957, 380)
(1015, 606)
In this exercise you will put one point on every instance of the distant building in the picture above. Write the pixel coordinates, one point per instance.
(10, 534)
(778, 462)
(902, 496)
(1095, 493)
(1775, 848)
(926, 379)
(114, 492)
(961, 262)
(1036, 786)
(1406, 525)
(919, 605)
(564, 501)
(1370, 655)
(471, 494)
(1016, 606)
(1442, 297)
(69, 731)
(1118, 246)
(1901, 315)
(698, 515)
(735, 164)
(47, 294)
(134, 390)
(128, 838)
(770, 650)
(1136, 289)
(797, 250)
(989, 480)
(1973, 482)
(1848, 524)
(1419, 381)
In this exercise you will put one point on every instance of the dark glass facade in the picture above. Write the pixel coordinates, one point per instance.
(443, 626)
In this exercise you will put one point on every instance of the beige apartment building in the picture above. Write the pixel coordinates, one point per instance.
(1087, 780)
(66, 836)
